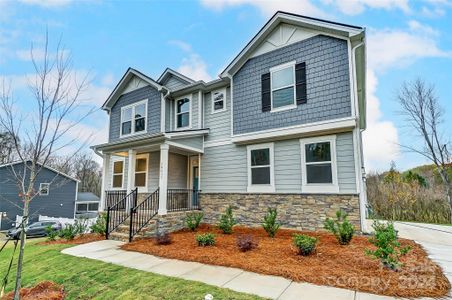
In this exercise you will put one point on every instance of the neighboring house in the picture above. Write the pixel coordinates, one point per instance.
(86, 205)
(56, 194)
(281, 127)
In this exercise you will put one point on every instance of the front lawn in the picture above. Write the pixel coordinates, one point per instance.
(331, 264)
(89, 279)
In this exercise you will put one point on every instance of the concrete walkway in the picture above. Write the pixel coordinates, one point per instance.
(273, 287)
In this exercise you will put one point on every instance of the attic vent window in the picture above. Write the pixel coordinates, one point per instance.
(133, 118)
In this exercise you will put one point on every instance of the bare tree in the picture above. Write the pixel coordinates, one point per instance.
(7, 152)
(424, 114)
(45, 131)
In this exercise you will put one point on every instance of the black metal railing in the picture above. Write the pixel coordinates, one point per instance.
(182, 199)
(113, 197)
(141, 214)
(120, 211)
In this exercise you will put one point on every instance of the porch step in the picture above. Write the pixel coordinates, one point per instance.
(119, 236)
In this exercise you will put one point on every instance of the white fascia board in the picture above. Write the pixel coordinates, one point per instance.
(311, 128)
(184, 134)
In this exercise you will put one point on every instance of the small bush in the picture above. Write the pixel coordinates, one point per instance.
(227, 221)
(206, 239)
(246, 242)
(388, 249)
(70, 231)
(52, 234)
(306, 244)
(163, 239)
(341, 228)
(270, 225)
(100, 226)
(193, 220)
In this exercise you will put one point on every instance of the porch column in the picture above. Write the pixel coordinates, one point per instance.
(131, 173)
(163, 179)
(105, 174)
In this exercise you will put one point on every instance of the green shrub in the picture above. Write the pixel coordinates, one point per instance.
(305, 243)
(100, 226)
(341, 228)
(70, 231)
(193, 220)
(206, 239)
(270, 225)
(52, 234)
(227, 221)
(388, 249)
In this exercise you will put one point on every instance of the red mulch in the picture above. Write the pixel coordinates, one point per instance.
(81, 239)
(332, 264)
(45, 290)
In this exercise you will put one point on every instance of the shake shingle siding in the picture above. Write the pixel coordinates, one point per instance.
(328, 85)
(153, 119)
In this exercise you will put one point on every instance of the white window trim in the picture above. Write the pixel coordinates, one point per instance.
(189, 97)
(113, 169)
(87, 207)
(40, 188)
(223, 90)
(261, 188)
(145, 187)
(278, 68)
(319, 187)
(132, 125)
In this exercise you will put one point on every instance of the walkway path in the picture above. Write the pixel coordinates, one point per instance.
(438, 244)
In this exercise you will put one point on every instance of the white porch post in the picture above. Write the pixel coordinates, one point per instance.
(163, 179)
(131, 173)
(105, 173)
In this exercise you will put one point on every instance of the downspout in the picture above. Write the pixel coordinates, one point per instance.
(361, 183)
(163, 110)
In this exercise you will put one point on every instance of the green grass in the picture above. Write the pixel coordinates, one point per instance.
(83, 278)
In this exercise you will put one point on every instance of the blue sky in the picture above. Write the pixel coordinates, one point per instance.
(406, 39)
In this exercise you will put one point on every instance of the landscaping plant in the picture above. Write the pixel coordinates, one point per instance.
(341, 228)
(388, 249)
(70, 231)
(193, 220)
(227, 221)
(306, 244)
(100, 226)
(206, 239)
(246, 242)
(163, 239)
(52, 234)
(270, 225)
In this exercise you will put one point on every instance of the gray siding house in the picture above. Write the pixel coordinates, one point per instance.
(281, 127)
(56, 194)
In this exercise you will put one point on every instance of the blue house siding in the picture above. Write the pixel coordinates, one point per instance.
(328, 85)
(59, 203)
(153, 119)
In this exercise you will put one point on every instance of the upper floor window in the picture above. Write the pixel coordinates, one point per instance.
(219, 101)
(283, 87)
(44, 189)
(183, 110)
(319, 164)
(133, 118)
(260, 168)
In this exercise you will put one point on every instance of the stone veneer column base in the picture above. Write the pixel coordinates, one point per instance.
(297, 211)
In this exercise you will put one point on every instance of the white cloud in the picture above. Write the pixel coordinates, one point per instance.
(181, 44)
(355, 7)
(268, 7)
(192, 66)
(47, 3)
(38, 54)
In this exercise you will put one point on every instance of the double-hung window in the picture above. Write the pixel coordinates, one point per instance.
(183, 110)
(283, 87)
(218, 101)
(44, 189)
(141, 170)
(118, 174)
(319, 164)
(260, 168)
(133, 118)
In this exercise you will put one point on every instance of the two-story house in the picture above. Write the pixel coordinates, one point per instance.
(281, 127)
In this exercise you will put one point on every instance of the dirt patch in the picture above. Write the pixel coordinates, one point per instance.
(81, 239)
(331, 264)
(45, 290)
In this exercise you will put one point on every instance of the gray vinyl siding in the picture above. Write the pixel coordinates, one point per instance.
(59, 203)
(170, 122)
(174, 83)
(169, 113)
(194, 142)
(328, 85)
(194, 111)
(177, 171)
(224, 168)
(154, 110)
(219, 123)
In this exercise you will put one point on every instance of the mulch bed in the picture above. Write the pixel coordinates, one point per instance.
(81, 239)
(45, 290)
(332, 264)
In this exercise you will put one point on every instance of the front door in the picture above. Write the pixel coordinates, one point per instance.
(195, 181)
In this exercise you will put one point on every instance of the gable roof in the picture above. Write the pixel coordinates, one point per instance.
(170, 72)
(42, 166)
(111, 100)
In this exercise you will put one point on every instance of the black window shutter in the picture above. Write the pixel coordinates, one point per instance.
(266, 100)
(300, 83)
